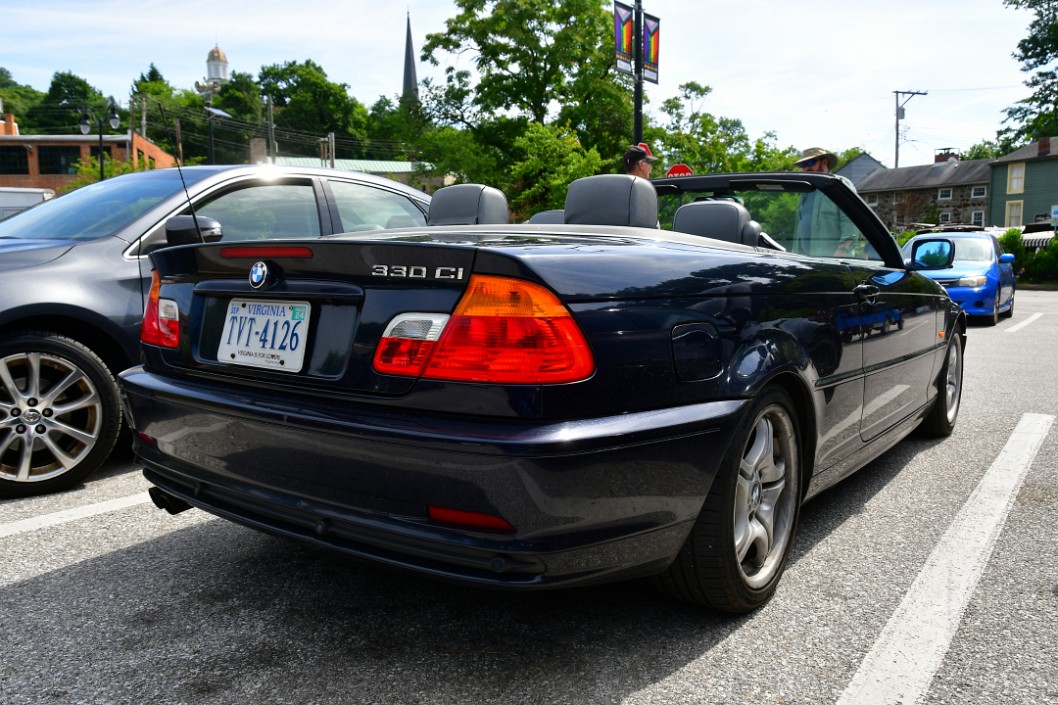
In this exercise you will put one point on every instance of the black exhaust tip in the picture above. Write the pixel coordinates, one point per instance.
(166, 501)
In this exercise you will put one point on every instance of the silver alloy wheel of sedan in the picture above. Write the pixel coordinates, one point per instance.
(59, 413)
(953, 382)
(737, 550)
(763, 508)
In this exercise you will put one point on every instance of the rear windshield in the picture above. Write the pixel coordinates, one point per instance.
(97, 210)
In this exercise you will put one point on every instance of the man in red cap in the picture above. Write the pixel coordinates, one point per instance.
(639, 160)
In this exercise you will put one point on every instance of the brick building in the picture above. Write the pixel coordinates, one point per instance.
(47, 161)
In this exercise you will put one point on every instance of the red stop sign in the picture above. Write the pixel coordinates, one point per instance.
(679, 170)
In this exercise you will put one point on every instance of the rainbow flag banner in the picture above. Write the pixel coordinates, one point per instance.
(623, 27)
(651, 37)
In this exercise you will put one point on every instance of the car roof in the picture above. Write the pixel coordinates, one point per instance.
(257, 169)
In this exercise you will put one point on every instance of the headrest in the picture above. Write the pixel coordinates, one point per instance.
(612, 199)
(550, 217)
(468, 204)
(720, 220)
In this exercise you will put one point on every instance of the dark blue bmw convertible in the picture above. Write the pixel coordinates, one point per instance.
(650, 387)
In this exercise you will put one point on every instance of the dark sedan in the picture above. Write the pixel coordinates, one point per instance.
(74, 275)
(546, 405)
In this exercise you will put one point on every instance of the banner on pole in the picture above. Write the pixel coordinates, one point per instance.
(624, 32)
(651, 36)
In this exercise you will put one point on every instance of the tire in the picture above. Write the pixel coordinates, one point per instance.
(941, 419)
(993, 318)
(60, 413)
(737, 550)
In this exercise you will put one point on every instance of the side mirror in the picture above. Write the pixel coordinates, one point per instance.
(181, 230)
(1006, 258)
(932, 254)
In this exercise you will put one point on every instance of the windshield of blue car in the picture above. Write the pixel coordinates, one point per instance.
(967, 250)
(97, 210)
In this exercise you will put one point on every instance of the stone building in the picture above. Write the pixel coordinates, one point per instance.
(950, 190)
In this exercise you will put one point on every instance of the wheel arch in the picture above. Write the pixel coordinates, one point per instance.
(100, 341)
(805, 411)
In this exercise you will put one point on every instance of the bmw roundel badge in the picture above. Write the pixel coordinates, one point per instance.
(258, 275)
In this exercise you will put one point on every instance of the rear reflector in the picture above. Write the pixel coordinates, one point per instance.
(407, 343)
(503, 331)
(472, 519)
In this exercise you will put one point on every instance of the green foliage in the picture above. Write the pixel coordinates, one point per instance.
(707, 143)
(554, 158)
(527, 52)
(1042, 265)
(1011, 241)
(88, 171)
(18, 99)
(59, 112)
(903, 237)
(393, 129)
(305, 100)
(1037, 115)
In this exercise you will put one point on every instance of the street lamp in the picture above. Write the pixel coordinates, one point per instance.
(86, 127)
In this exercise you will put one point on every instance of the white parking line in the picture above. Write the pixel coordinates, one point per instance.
(55, 518)
(1027, 321)
(911, 647)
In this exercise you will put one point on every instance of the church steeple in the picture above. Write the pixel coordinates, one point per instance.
(411, 83)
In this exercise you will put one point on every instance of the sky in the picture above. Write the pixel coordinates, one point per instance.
(819, 73)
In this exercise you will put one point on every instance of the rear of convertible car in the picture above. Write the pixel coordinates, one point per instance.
(502, 413)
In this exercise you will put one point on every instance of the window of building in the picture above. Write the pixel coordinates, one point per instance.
(977, 218)
(58, 160)
(944, 194)
(979, 192)
(871, 199)
(1016, 178)
(13, 160)
(106, 151)
(945, 217)
(898, 197)
(1015, 209)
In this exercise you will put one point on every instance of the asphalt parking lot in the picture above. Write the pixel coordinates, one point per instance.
(929, 577)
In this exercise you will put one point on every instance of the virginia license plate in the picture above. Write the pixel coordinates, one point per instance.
(265, 334)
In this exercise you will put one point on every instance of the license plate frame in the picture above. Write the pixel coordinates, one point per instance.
(265, 333)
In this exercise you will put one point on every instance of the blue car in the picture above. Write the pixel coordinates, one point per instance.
(980, 279)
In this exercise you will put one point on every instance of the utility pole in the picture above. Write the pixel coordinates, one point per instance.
(638, 68)
(900, 114)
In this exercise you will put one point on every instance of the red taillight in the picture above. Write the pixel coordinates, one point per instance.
(503, 331)
(471, 519)
(161, 319)
(266, 251)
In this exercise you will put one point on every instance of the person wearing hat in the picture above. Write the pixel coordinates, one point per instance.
(639, 160)
(822, 228)
(817, 159)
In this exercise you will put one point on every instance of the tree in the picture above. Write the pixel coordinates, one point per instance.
(304, 99)
(393, 127)
(62, 106)
(528, 52)
(1036, 116)
(554, 158)
(538, 62)
(708, 143)
(17, 99)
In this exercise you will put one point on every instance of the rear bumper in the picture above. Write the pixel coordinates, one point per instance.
(591, 500)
